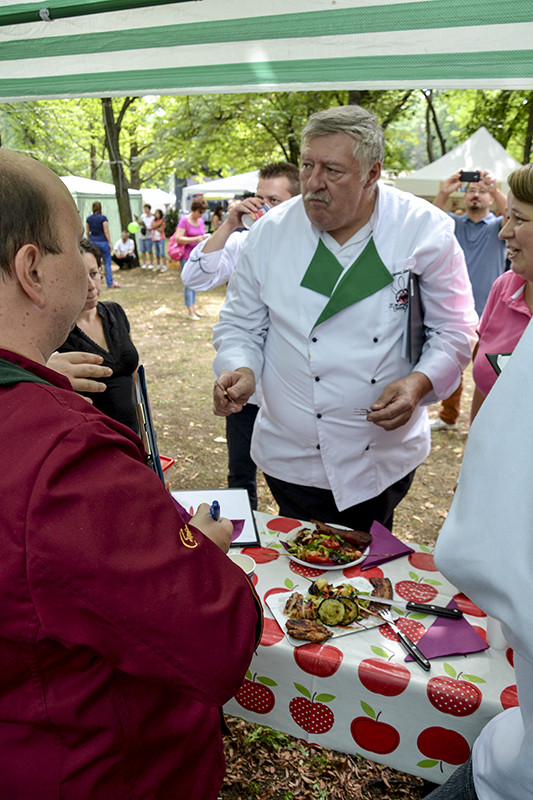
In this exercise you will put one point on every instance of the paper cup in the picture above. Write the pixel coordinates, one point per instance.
(246, 563)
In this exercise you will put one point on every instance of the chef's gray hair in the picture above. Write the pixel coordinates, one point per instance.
(357, 122)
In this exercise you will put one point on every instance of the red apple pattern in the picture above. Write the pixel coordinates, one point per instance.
(321, 660)
(417, 589)
(509, 697)
(272, 633)
(261, 555)
(309, 711)
(449, 694)
(371, 734)
(283, 524)
(306, 572)
(383, 676)
(415, 630)
(254, 694)
(423, 561)
(467, 606)
(357, 572)
(442, 744)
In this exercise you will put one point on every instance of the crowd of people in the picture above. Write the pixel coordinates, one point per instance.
(106, 691)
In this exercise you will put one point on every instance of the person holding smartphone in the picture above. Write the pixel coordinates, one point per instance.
(477, 231)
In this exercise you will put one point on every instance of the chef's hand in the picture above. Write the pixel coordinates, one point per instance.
(239, 385)
(398, 401)
(219, 531)
(83, 370)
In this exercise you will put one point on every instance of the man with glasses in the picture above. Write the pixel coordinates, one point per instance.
(477, 232)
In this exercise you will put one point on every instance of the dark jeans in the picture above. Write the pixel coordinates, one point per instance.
(241, 469)
(460, 786)
(308, 502)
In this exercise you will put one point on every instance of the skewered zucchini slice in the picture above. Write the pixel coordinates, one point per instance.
(331, 611)
(351, 610)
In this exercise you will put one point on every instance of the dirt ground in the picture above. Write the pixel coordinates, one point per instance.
(177, 356)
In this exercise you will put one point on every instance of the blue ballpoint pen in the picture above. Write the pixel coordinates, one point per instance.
(215, 510)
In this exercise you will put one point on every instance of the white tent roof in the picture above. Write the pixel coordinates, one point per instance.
(480, 151)
(221, 187)
(100, 48)
(77, 185)
(157, 198)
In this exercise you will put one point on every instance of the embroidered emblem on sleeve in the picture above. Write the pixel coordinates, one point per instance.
(187, 538)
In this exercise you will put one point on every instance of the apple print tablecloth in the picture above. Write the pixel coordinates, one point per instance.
(357, 694)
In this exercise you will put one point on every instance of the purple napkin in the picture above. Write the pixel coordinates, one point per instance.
(384, 542)
(450, 637)
(238, 524)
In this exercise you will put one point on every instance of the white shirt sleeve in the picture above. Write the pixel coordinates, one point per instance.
(245, 312)
(204, 271)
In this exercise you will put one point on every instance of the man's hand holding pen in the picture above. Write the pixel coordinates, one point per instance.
(232, 391)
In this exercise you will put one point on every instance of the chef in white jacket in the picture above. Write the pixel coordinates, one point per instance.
(317, 308)
(486, 548)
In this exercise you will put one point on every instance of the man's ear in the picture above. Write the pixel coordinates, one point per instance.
(28, 270)
(373, 174)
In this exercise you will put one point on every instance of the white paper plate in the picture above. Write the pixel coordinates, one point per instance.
(288, 537)
(276, 603)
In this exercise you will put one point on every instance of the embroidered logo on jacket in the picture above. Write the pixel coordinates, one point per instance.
(187, 538)
(400, 291)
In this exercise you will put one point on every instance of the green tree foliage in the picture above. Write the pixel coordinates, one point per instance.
(206, 136)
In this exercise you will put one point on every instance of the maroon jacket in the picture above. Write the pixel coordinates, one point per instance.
(121, 629)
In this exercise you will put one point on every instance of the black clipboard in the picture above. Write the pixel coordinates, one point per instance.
(498, 361)
(416, 330)
(146, 426)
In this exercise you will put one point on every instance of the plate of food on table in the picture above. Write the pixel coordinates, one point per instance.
(329, 610)
(326, 547)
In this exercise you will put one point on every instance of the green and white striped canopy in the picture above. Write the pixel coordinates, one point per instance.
(83, 48)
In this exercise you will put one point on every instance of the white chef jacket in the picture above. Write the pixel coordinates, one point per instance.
(204, 271)
(314, 377)
(486, 549)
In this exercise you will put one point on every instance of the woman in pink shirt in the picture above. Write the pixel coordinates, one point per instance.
(190, 231)
(510, 303)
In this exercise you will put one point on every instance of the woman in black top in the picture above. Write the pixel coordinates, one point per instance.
(103, 328)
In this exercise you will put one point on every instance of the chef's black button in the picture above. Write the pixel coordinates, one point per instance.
(367, 447)
(318, 416)
(317, 378)
(314, 339)
(375, 339)
(318, 447)
(373, 380)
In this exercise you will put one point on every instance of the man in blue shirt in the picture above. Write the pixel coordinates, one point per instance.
(477, 232)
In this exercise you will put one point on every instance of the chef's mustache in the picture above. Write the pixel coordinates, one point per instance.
(322, 196)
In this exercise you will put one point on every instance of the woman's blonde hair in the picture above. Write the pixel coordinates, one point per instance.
(521, 183)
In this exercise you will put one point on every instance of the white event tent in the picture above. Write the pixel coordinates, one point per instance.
(223, 188)
(479, 152)
(85, 191)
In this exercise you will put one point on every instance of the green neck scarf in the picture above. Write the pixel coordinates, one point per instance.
(366, 276)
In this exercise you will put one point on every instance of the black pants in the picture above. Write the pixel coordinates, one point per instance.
(124, 263)
(242, 471)
(308, 502)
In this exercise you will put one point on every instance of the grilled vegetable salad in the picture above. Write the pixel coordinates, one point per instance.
(322, 548)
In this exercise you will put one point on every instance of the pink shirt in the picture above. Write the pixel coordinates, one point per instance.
(502, 324)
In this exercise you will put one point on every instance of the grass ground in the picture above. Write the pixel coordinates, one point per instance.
(177, 355)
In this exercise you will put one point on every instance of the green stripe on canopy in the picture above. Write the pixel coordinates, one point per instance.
(191, 47)
(495, 65)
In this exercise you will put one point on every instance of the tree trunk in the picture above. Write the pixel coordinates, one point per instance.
(432, 115)
(112, 128)
(355, 97)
